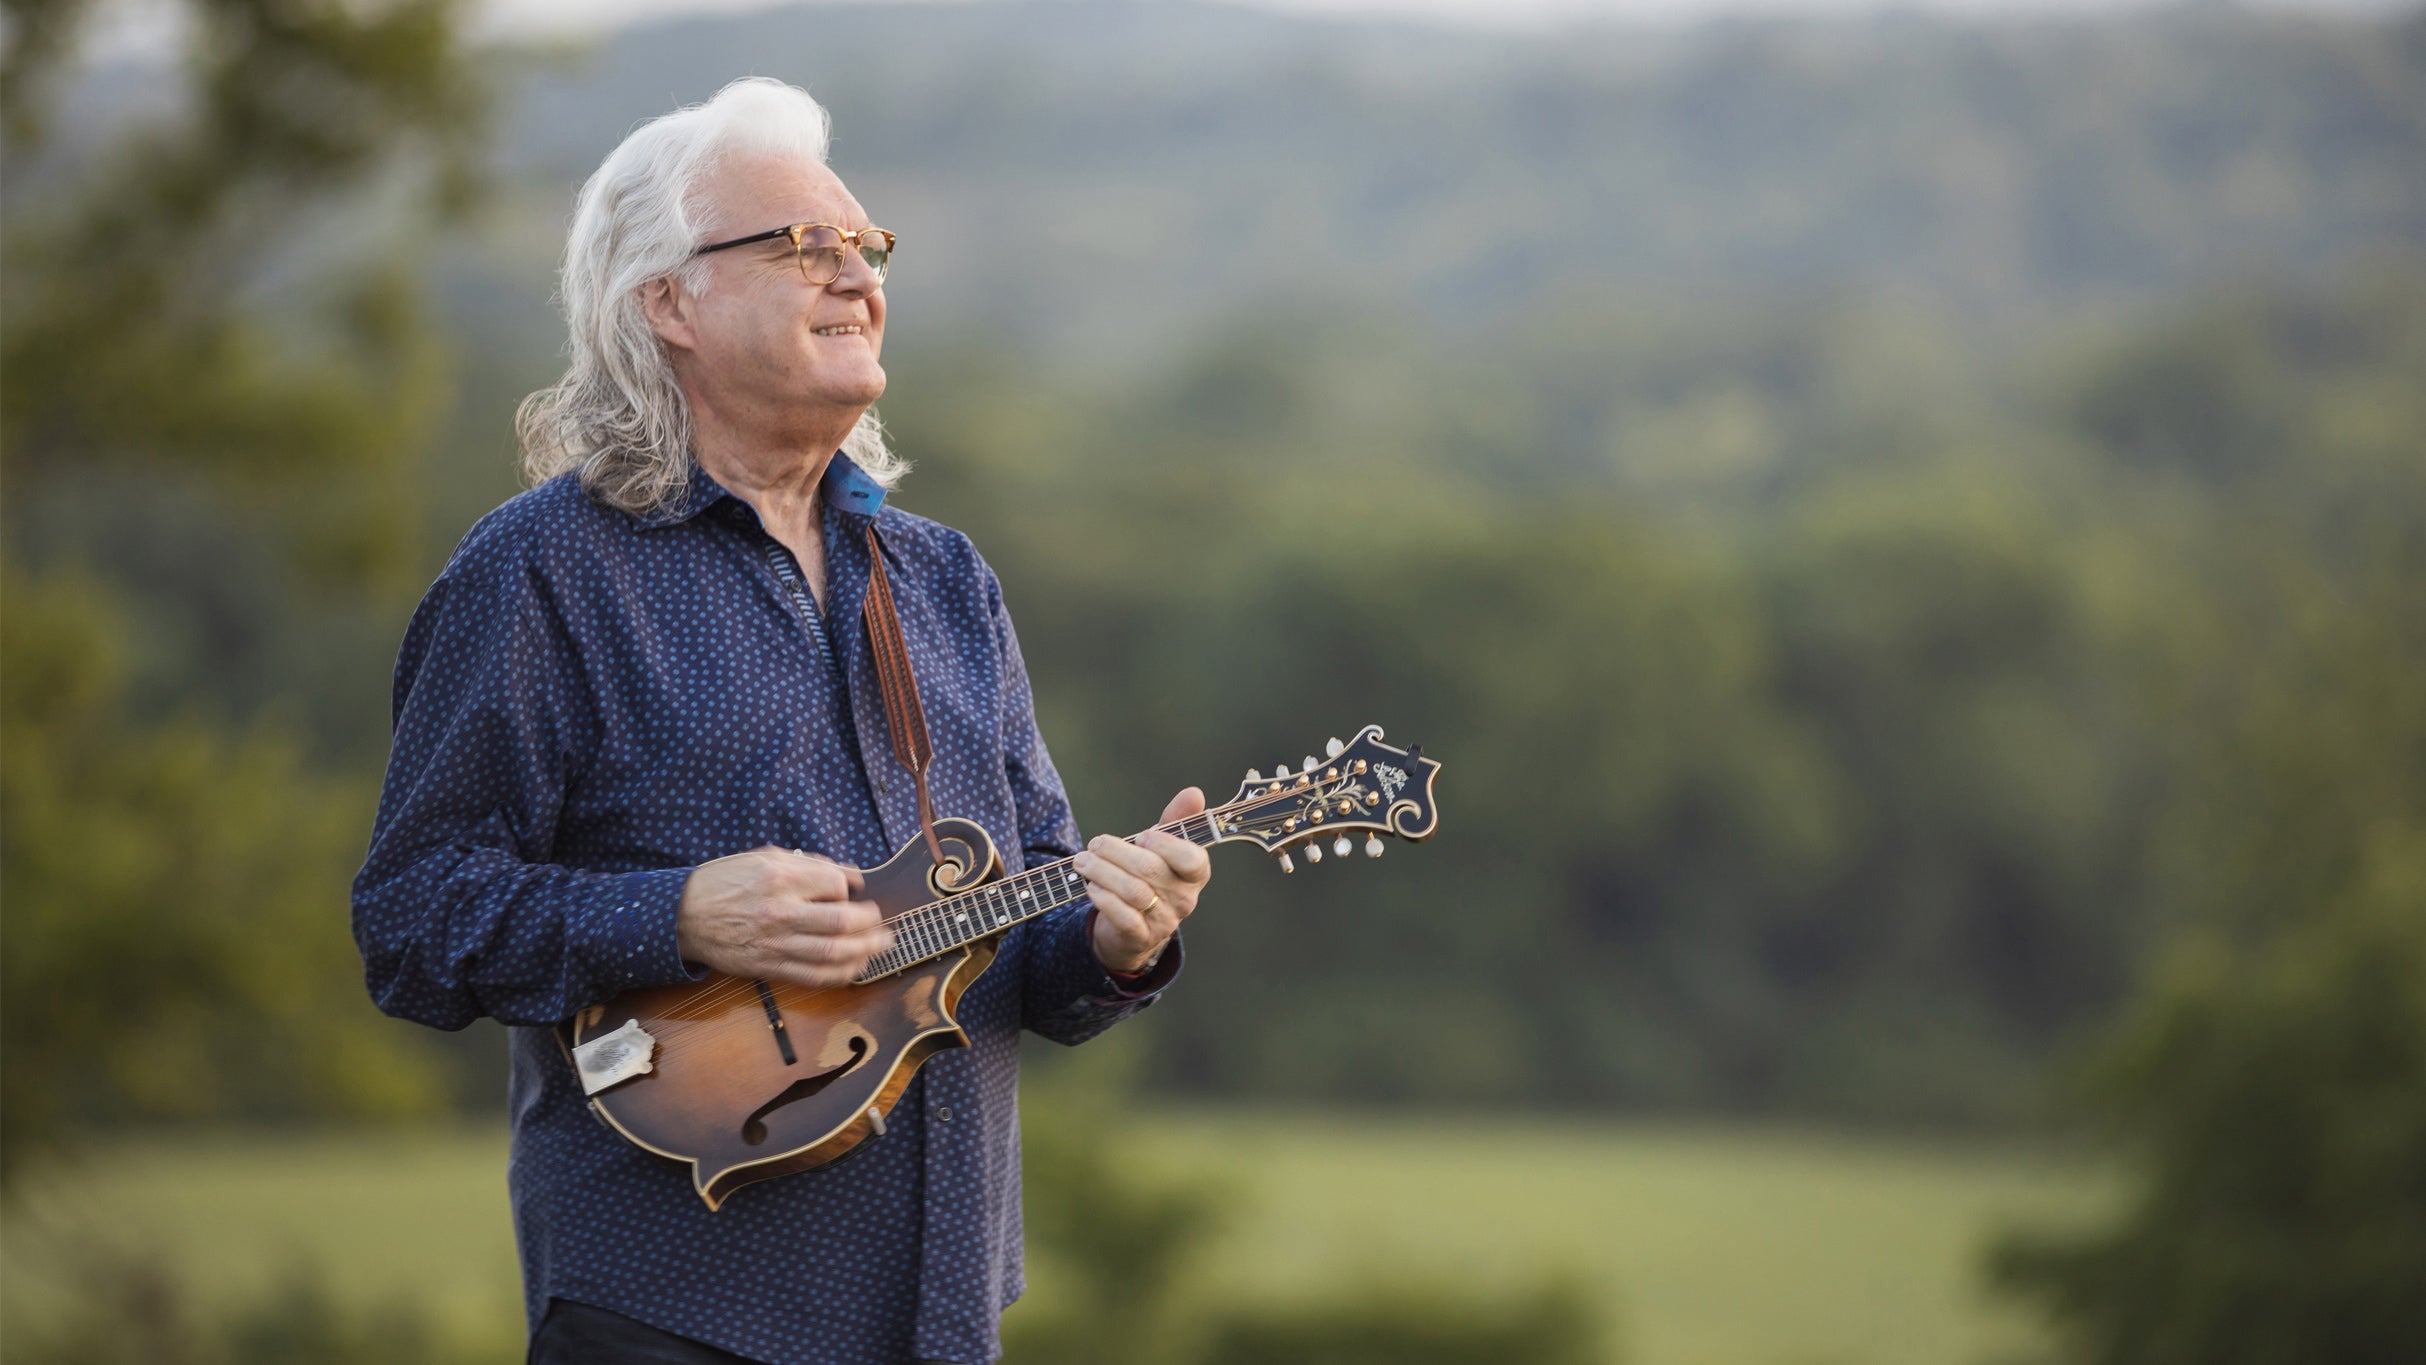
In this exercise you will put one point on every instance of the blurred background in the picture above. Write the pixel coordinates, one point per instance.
(1907, 527)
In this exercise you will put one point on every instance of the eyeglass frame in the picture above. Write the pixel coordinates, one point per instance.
(795, 231)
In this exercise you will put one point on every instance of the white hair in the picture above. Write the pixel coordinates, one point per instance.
(618, 416)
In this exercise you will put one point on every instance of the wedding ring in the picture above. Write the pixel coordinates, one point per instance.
(1149, 905)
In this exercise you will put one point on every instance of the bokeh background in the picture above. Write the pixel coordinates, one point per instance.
(1906, 526)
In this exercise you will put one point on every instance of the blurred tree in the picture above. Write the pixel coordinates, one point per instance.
(1120, 1237)
(1840, 744)
(2277, 1095)
(2271, 1081)
(173, 945)
(210, 319)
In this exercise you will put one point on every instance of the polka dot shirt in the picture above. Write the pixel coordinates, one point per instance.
(587, 705)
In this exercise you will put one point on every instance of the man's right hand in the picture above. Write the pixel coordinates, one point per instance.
(780, 915)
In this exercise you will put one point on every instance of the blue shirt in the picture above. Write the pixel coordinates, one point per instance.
(587, 705)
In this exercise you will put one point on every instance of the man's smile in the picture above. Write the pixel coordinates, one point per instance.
(846, 330)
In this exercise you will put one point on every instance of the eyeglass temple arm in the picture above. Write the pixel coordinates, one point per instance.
(767, 236)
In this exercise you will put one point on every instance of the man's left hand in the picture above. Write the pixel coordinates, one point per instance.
(1143, 887)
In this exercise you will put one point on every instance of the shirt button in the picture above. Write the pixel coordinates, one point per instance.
(943, 1113)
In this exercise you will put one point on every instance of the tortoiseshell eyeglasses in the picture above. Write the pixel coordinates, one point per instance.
(819, 248)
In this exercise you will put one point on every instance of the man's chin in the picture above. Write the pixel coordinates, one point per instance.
(859, 392)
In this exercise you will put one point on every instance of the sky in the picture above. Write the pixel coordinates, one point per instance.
(149, 29)
(519, 18)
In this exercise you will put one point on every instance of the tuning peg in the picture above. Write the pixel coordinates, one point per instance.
(1286, 864)
(1372, 845)
(1281, 771)
(1341, 846)
(1332, 748)
(1254, 776)
(1311, 765)
(1314, 850)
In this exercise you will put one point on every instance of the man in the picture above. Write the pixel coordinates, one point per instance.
(639, 736)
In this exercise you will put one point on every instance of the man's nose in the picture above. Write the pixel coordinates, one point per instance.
(857, 278)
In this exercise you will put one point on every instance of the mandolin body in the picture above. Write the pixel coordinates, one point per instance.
(720, 1094)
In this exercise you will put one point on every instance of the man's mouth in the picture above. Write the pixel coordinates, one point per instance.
(846, 330)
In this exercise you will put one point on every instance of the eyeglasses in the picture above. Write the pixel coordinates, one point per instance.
(819, 248)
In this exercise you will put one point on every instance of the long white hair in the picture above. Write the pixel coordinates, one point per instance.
(617, 416)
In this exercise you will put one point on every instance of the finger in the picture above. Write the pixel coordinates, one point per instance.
(1174, 867)
(1142, 863)
(827, 919)
(1131, 932)
(814, 877)
(1190, 801)
(1106, 878)
(1185, 860)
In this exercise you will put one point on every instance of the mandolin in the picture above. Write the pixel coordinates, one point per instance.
(749, 1079)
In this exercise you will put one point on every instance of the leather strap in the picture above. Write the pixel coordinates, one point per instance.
(899, 686)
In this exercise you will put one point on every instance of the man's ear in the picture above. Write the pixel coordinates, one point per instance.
(668, 309)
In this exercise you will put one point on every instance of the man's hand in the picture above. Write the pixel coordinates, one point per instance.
(780, 915)
(1143, 888)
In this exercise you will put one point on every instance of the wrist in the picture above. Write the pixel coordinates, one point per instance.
(1144, 968)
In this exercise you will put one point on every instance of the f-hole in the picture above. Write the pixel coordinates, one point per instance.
(754, 1128)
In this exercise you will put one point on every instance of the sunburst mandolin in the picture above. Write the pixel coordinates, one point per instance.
(746, 1080)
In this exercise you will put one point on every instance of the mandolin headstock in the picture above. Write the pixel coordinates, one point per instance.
(1362, 786)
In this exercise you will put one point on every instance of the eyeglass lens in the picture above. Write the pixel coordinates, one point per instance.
(821, 257)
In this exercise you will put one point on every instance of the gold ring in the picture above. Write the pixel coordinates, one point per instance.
(1149, 905)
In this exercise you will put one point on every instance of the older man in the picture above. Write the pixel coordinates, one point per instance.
(640, 690)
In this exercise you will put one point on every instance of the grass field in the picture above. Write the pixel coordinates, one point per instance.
(1710, 1246)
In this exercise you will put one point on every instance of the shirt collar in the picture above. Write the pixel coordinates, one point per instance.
(846, 488)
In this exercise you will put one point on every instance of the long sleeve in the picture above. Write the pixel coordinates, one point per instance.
(458, 910)
(1066, 995)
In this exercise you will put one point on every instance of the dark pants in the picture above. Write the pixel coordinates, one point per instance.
(577, 1334)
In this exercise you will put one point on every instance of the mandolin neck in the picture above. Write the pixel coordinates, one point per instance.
(954, 922)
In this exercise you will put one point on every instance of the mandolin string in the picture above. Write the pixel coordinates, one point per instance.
(926, 917)
(739, 989)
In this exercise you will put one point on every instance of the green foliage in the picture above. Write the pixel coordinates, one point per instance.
(209, 311)
(140, 328)
(2277, 1097)
(170, 947)
(2270, 1082)
(1832, 690)
(1832, 745)
(1122, 1237)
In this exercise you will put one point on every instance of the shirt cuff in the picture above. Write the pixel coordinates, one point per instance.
(626, 934)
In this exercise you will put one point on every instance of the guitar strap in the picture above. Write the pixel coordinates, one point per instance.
(899, 687)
